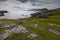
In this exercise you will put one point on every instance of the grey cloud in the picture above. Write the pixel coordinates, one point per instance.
(23, 1)
(39, 3)
(44, 2)
(2, 0)
(33, 0)
(28, 0)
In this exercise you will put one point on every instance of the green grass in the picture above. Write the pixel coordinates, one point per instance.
(42, 31)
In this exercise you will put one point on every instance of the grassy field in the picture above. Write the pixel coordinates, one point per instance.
(42, 31)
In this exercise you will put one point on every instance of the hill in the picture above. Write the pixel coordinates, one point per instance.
(38, 28)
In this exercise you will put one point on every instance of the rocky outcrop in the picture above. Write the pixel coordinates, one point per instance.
(54, 31)
(44, 9)
(44, 13)
(2, 12)
(51, 24)
(16, 29)
(5, 24)
(40, 15)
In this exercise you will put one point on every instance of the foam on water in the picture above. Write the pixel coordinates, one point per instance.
(15, 10)
(17, 14)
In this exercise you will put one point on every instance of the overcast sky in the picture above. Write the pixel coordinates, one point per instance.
(16, 7)
(29, 4)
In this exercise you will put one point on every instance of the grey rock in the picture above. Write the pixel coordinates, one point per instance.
(3, 36)
(54, 31)
(40, 15)
(18, 29)
(2, 12)
(32, 36)
(51, 24)
(4, 24)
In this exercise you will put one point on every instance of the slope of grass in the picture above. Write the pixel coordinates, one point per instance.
(42, 31)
